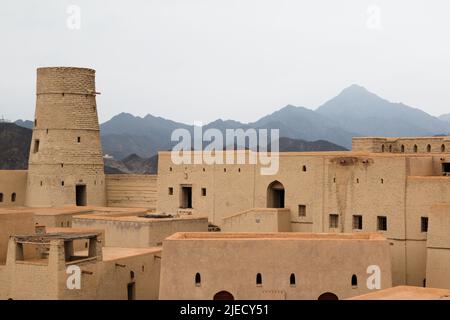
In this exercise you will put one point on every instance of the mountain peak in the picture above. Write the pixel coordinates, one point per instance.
(355, 89)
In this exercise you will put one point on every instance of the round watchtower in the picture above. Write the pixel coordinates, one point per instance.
(66, 162)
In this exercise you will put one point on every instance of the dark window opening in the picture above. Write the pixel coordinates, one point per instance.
(443, 148)
(224, 169)
(198, 279)
(186, 197)
(354, 281)
(62, 183)
(292, 279)
(304, 168)
(357, 180)
(428, 148)
(170, 169)
(132, 275)
(170, 191)
(204, 192)
(81, 199)
(259, 279)
(301, 210)
(390, 148)
(424, 224)
(446, 168)
(36, 146)
(78, 139)
(382, 148)
(382, 223)
(35, 123)
(403, 149)
(334, 220)
(13, 197)
(357, 222)
(131, 291)
(415, 148)
(1, 197)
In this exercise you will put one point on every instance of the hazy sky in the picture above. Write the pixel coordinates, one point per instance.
(201, 60)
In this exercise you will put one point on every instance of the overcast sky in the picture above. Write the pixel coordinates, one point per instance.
(199, 60)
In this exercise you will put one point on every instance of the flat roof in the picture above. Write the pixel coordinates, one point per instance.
(133, 218)
(329, 154)
(406, 293)
(274, 236)
(46, 237)
(115, 253)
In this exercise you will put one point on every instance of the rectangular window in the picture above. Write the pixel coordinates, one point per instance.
(36, 146)
(170, 191)
(301, 210)
(424, 224)
(204, 192)
(381, 223)
(357, 222)
(334, 220)
(446, 168)
(79, 139)
(186, 197)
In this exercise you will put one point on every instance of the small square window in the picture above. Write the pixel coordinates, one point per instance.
(204, 192)
(301, 210)
(357, 222)
(424, 224)
(170, 191)
(334, 220)
(381, 223)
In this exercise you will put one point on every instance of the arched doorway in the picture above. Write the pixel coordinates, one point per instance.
(275, 195)
(328, 296)
(223, 295)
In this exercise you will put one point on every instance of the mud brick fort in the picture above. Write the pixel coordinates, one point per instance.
(314, 230)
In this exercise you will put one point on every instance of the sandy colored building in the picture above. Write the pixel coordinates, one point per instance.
(106, 272)
(406, 293)
(66, 161)
(253, 266)
(390, 186)
(141, 230)
(438, 247)
(355, 191)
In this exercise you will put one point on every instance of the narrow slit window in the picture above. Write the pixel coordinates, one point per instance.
(259, 279)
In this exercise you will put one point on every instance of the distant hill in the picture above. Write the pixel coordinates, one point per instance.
(304, 124)
(24, 123)
(132, 164)
(125, 134)
(14, 146)
(353, 112)
(445, 117)
(357, 110)
(296, 145)
(136, 164)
